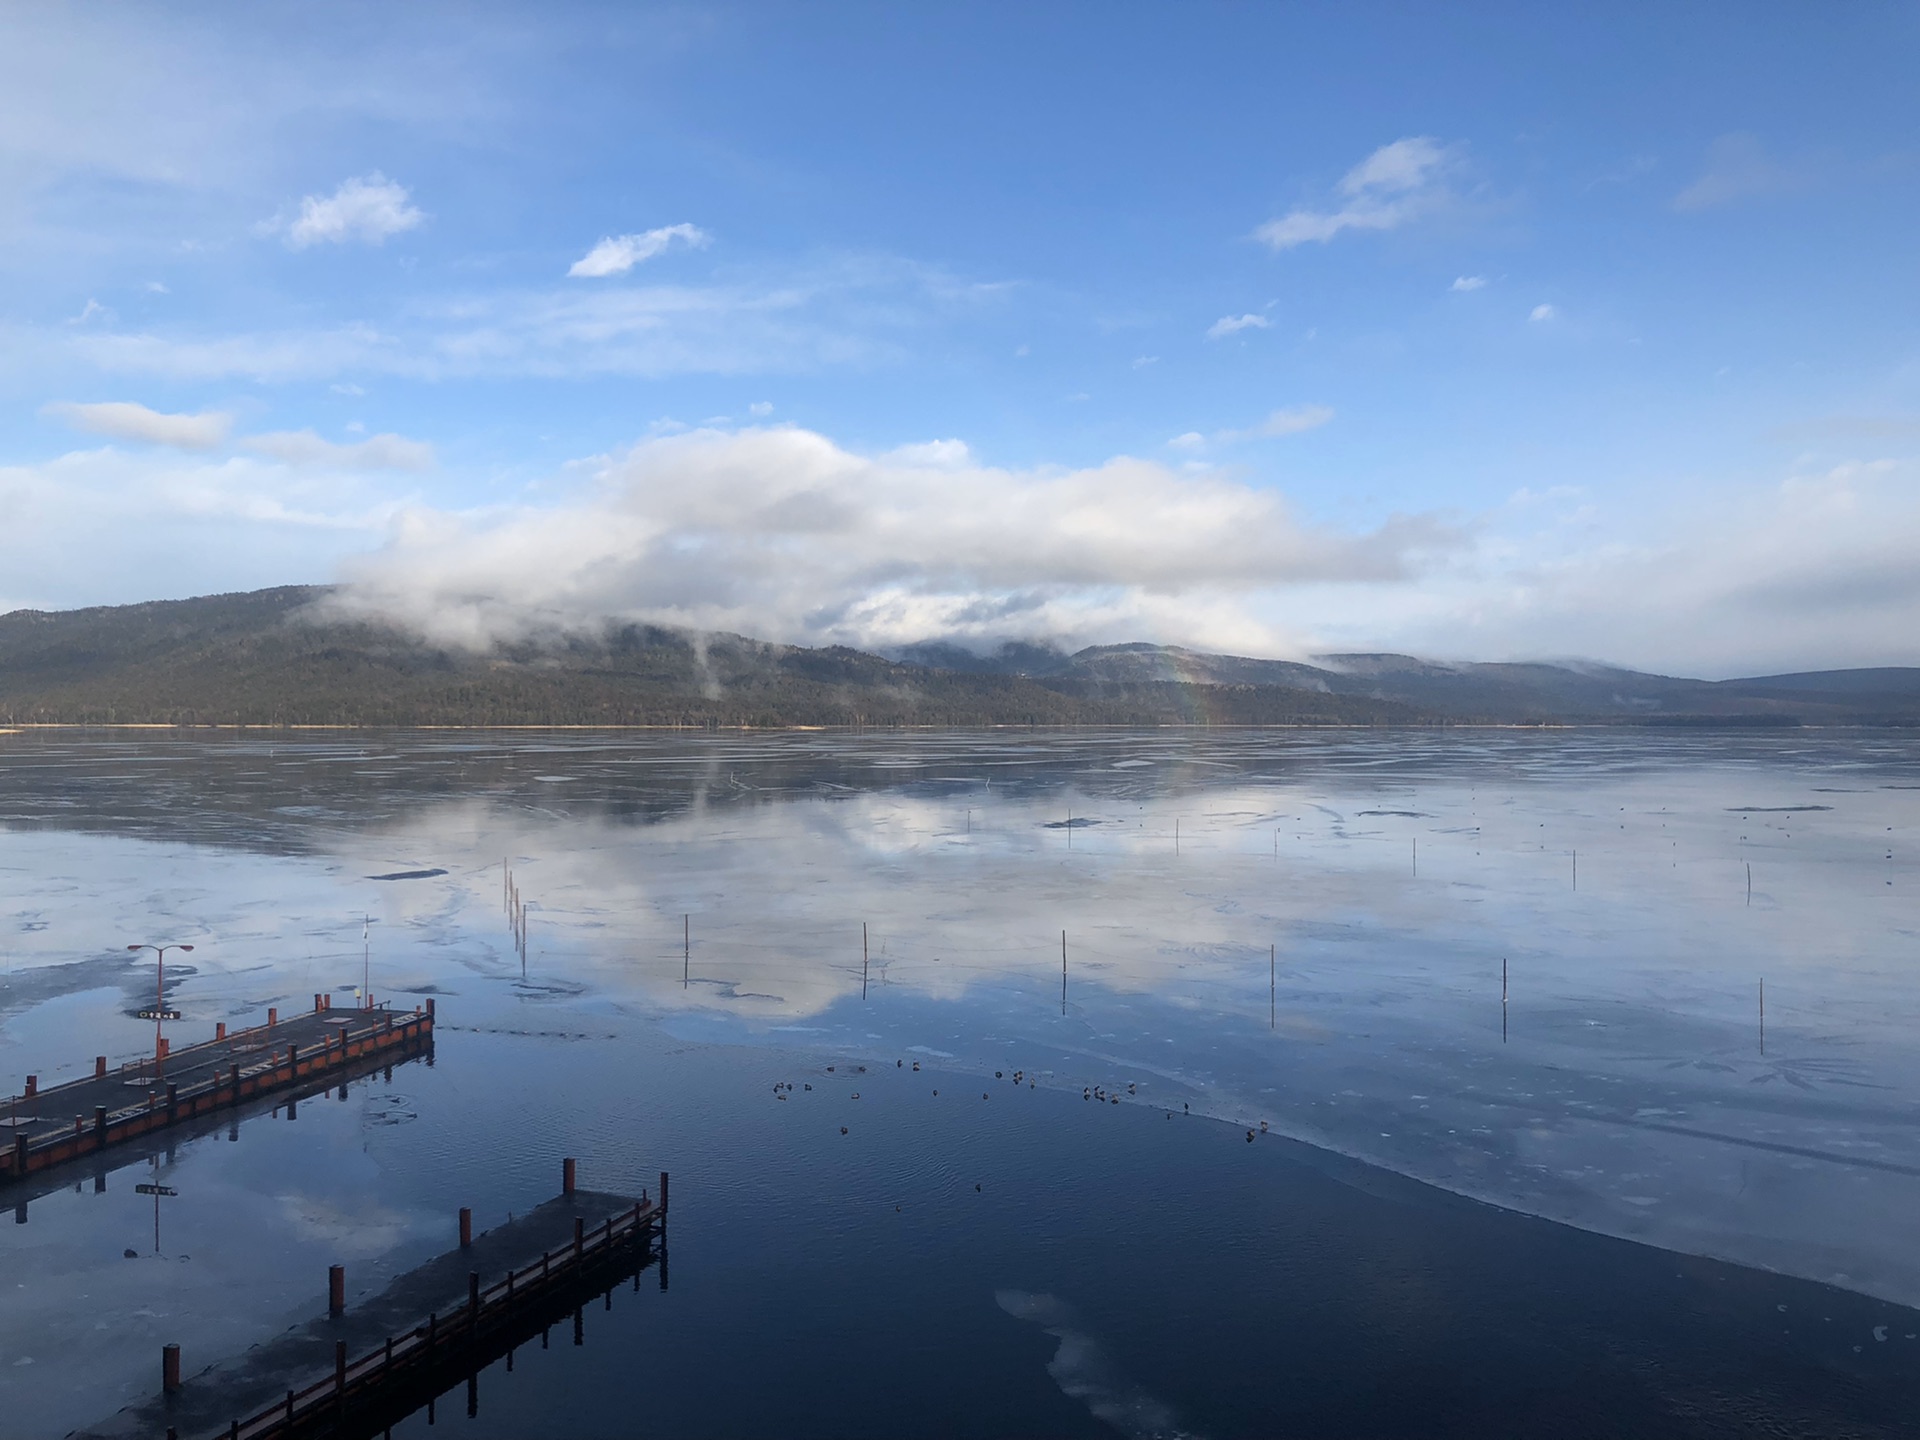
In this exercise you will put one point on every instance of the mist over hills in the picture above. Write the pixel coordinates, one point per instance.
(276, 657)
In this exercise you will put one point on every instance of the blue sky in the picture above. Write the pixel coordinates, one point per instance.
(1491, 331)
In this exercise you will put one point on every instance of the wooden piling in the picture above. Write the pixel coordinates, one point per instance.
(466, 1227)
(1063, 972)
(336, 1289)
(99, 1067)
(170, 1369)
(567, 1176)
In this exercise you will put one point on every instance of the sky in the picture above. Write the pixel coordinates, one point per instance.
(1496, 331)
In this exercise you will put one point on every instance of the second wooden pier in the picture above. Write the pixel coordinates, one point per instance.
(83, 1117)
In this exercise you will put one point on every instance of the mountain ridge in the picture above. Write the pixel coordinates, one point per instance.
(270, 657)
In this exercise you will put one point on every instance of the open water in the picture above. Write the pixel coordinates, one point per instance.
(1618, 1200)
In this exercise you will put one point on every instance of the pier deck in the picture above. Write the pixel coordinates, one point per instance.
(357, 1372)
(44, 1128)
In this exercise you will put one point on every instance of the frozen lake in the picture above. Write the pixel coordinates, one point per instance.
(1298, 932)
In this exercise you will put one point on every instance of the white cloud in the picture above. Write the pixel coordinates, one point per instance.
(1818, 570)
(155, 287)
(944, 453)
(828, 314)
(113, 526)
(618, 254)
(1141, 362)
(1293, 420)
(368, 208)
(376, 452)
(781, 533)
(760, 408)
(1469, 282)
(1543, 312)
(1738, 168)
(1395, 184)
(1233, 324)
(92, 310)
(124, 420)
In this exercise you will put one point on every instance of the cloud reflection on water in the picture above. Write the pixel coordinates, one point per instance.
(1630, 1096)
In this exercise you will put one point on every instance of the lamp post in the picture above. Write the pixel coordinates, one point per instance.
(160, 997)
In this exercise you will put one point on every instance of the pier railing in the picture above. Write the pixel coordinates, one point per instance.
(359, 1383)
(282, 1066)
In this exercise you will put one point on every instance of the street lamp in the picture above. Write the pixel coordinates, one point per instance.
(160, 997)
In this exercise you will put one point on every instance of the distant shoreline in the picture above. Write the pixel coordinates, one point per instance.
(1760, 724)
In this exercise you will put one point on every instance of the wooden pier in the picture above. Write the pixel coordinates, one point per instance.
(354, 1371)
(77, 1120)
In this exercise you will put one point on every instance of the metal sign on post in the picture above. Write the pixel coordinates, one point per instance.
(145, 1189)
(158, 1014)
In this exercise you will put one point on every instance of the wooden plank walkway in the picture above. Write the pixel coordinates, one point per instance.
(359, 1371)
(44, 1128)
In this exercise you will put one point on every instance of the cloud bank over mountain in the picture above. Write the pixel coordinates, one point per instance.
(781, 533)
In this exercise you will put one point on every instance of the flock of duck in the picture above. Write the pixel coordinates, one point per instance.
(1096, 1093)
